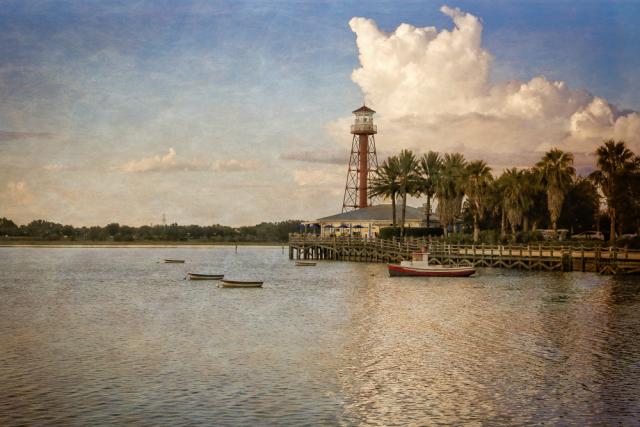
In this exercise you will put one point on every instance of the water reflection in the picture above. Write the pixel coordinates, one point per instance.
(503, 347)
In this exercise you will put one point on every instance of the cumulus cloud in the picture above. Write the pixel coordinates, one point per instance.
(169, 162)
(432, 92)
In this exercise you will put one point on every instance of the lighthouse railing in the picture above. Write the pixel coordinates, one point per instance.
(364, 127)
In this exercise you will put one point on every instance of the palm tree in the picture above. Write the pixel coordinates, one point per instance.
(496, 201)
(556, 174)
(478, 178)
(513, 199)
(615, 163)
(430, 165)
(450, 189)
(534, 197)
(386, 182)
(409, 180)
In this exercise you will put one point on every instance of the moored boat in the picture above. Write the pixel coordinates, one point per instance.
(240, 284)
(173, 261)
(305, 263)
(199, 276)
(419, 266)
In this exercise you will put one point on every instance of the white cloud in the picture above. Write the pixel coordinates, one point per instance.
(170, 163)
(432, 92)
(155, 163)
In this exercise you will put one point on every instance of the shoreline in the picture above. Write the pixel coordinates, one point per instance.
(122, 245)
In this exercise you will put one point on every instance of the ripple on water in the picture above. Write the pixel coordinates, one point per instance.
(109, 336)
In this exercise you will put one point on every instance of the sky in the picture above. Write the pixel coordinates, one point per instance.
(238, 112)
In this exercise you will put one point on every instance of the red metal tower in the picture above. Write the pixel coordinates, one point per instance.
(363, 163)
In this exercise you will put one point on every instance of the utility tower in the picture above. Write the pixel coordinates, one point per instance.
(363, 163)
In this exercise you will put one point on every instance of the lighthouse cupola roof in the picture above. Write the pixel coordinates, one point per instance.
(363, 109)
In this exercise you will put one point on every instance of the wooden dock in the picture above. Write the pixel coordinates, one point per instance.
(604, 260)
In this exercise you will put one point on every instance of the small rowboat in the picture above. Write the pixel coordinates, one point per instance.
(173, 261)
(198, 276)
(240, 284)
(305, 263)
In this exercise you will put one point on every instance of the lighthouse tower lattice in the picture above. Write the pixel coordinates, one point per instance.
(363, 163)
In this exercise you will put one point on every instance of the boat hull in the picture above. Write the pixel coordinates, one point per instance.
(240, 284)
(173, 261)
(196, 276)
(305, 264)
(398, 270)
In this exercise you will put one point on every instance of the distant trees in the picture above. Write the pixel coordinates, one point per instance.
(8, 227)
(46, 230)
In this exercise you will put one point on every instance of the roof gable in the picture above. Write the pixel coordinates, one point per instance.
(363, 109)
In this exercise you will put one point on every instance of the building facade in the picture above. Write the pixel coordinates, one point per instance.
(368, 221)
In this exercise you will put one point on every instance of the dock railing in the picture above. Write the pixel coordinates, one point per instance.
(549, 256)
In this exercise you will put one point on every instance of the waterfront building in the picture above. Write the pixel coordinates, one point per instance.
(367, 222)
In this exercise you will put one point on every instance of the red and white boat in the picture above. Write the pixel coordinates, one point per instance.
(419, 266)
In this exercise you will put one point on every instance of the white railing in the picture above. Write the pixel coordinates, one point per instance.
(364, 128)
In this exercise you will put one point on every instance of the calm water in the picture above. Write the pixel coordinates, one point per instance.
(110, 336)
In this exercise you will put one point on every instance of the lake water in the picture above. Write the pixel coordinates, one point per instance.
(111, 336)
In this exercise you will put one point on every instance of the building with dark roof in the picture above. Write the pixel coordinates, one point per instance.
(368, 221)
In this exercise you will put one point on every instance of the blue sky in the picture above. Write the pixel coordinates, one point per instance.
(92, 88)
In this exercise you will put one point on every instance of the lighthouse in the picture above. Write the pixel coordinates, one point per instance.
(363, 163)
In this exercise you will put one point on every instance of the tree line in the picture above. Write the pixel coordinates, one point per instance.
(519, 201)
(46, 230)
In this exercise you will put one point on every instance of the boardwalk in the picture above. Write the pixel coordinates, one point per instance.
(529, 257)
